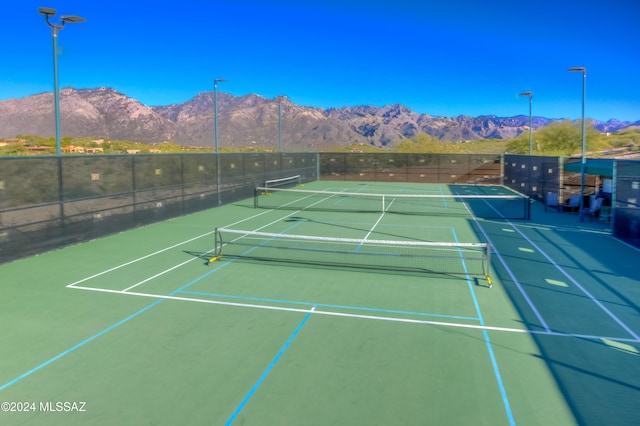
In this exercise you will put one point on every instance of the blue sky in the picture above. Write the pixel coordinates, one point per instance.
(443, 58)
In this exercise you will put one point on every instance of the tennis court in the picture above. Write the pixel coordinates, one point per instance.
(340, 311)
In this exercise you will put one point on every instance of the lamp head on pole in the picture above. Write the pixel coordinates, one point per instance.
(578, 69)
(529, 94)
(218, 80)
(49, 12)
(72, 19)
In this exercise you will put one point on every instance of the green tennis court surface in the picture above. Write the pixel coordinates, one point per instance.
(150, 327)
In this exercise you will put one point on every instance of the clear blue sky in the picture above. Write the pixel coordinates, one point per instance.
(443, 58)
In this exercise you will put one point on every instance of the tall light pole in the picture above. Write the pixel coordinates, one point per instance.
(215, 131)
(530, 95)
(48, 13)
(215, 109)
(583, 159)
(280, 99)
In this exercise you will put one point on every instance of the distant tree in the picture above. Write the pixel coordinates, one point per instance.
(562, 138)
(520, 144)
(168, 147)
(479, 146)
(33, 140)
(355, 147)
(13, 149)
(422, 142)
(565, 138)
(624, 138)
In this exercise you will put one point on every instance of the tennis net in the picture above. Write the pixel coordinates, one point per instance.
(485, 206)
(419, 256)
(285, 182)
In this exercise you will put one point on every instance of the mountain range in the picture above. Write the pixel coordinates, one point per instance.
(250, 120)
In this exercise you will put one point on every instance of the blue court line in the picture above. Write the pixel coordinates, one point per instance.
(326, 305)
(73, 348)
(267, 371)
(190, 283)
(487, 340)
(444, 199)
(106, 330)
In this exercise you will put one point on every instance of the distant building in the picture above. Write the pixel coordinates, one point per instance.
(72, 149)
(38, 149)
(13, 140)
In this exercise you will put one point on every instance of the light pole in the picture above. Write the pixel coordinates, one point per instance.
(530, 95)
(215, 131)
(215, 109)
(280, 99)
(583, 159)
(48, 13)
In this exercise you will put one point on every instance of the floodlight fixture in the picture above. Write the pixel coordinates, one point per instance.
(72, 19)
(47, 11)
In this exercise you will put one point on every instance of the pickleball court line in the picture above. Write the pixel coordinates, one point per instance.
(547, 330)
(79, 345)
(182, 289)
(266, 372)
(487, 341)
(73, 284)
(326, 305)
(577, 284)
(515, 281)
(361, 316)
(113, 326)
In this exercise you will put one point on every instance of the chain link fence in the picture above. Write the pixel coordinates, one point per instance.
(50, 202)
(421, 168)
(626, 201)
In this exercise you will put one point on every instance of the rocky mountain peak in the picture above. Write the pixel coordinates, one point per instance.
(250, 120)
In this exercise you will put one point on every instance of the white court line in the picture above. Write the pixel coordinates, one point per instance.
(74, 284)
(562, 271)
(314, 310)
(496, 252)
(373, 227)
(161, 251)
(577, 284)
(547, 330)
(161, 273)
(137, 260)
